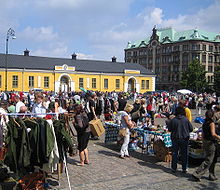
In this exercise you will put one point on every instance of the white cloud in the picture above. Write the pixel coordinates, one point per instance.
(61, 3)
(41, 34)
(52, 50)
(84, 56)
(206, 19)
(96, 29)
(115, 38)
(156, 16)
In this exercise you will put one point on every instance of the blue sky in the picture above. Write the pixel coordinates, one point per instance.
(97, 29)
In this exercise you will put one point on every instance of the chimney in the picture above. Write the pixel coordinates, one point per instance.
(26, 52)
(114, 59)
(74, 56)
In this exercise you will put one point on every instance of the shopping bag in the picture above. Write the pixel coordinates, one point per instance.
(122, 132)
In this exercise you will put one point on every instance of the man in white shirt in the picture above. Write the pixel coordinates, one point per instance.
(19, 103)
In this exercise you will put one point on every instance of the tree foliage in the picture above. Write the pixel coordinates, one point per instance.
(194, 77)
(217, 80)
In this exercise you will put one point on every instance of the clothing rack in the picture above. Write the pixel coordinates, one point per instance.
(30, 114)
(65, 161)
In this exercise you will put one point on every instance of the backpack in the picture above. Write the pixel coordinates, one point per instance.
(85, 123)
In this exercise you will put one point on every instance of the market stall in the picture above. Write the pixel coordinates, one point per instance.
(157, 142)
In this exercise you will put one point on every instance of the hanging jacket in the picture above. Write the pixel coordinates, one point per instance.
(46, 142)
(17, 142)
(64, 140)
(34, 140)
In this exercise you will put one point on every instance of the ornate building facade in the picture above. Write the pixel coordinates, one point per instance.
(168, 53)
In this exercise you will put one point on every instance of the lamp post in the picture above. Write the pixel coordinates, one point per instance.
(10, 33)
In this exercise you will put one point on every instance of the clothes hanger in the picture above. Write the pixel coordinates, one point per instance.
(16, 122)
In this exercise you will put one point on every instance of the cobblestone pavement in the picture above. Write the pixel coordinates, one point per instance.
(140, 171)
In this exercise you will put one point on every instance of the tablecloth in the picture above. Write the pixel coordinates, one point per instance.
(111, 132)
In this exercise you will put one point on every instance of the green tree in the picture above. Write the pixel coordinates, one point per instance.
(217, 80)
(194, 77)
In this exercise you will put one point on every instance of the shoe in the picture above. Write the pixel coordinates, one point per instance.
(212, 177)
(184, 171)
(96, 138)
(172, 170)
(79, 164)
(127, 156)
(122, 157)
(87, 163)
(196, 178)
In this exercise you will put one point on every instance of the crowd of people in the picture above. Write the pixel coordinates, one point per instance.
(133, 108)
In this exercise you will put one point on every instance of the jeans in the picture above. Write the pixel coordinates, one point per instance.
(180, 145)
(124, 148)
(210, 159)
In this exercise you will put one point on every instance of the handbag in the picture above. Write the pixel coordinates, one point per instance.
(122, 132)
(136, 115)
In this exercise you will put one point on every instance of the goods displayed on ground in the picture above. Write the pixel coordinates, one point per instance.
(155, 139)
(146, 139)
(195, 144)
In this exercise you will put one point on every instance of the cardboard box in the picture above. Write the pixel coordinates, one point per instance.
(97, 127)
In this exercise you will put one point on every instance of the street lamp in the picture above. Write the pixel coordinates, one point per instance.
(10, 33)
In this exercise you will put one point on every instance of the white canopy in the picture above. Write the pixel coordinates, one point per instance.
(184, 91)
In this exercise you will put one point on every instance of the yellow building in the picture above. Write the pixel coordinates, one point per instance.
(24, 72)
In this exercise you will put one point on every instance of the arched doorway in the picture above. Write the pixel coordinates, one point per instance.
(64, 84)
(131, 85)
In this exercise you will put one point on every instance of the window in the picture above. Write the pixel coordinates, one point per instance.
(129, 54)
(147, 84)
(203, 58)
(31, 81)
(14, 81)
(0, 81)
(93, 82)
(210, 59)
(204, 47)
(117, 83)
(46, 82)
(135, 53)
(210, 48)
(142, 61)
(144, 84)
(80, 82)
(176, 48)
(105, 83)
(184, 67)
(195, 56)
(210, 69)
(185, 47)
(185, 58)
